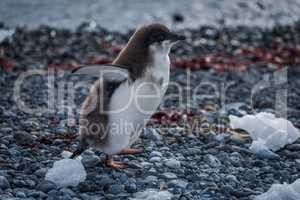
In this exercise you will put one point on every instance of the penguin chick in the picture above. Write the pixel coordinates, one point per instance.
(122, 101)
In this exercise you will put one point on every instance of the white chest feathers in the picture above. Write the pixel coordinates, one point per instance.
(132, 104)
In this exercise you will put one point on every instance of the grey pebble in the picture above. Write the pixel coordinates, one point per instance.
(155, 159)
(104, 180)
(90, 161)
(41, 172)
(172, 163)
(151, 178)
(169, 175)
(164, 149)
(155, 153)
(67, 191)
(177, 183)
(116, 189)
(131, 187)
(232, 180)
(46, 186)
(293, 147)
(213, 160)
(4, 184)
(36, 194)
(6, 130)
(20, 194)
(152, 134)
(23, 138)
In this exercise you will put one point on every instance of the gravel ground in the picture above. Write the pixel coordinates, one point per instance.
(203, 163)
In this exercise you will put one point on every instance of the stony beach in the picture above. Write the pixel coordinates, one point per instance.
(207, 162)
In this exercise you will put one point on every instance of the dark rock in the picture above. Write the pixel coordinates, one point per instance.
(177, 17)
(41, 172)
(21, 195)
(155, 154)
(46, 186)
(36, 194)
(232, 181)
(213, 161)
(88, 186)
(131, 187)
(172, 163)
(4, 184)
(169, 175)
(155, 159)
(104, 180)
(68, 192)
(177, 183)
(293, 147)
(90, 161)
(152, 134)
(116, 189)
(23, 138)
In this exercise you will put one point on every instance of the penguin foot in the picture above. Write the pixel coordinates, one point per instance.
(114, 164)
(131, 151)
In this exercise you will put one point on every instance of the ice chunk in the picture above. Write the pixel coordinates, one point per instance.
(282, 192)
(275, 132)
(66, 172)
(152, 194)
(66, 154)
(261, 150)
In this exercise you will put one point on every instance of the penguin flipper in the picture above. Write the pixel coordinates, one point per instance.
(107, 71)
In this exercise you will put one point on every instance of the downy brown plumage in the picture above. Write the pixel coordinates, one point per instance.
(144, 62)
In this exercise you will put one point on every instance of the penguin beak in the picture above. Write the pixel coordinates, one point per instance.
(173, 37)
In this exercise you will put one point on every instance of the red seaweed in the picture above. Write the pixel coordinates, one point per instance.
(98, 60)
(6, 64)
(240, 59)
(171, 115)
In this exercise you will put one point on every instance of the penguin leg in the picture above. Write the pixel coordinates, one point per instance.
(131, 151)
(114, 164)
(82, 147)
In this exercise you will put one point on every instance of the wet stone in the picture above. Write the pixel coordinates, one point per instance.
(4, 184)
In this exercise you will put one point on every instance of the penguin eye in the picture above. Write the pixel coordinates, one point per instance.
(161, 37)
(156, 37)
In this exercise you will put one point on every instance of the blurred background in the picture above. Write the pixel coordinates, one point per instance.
(120, 15)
